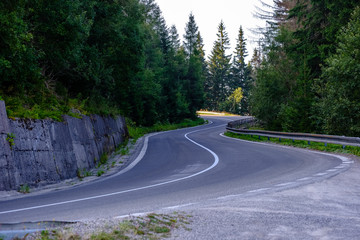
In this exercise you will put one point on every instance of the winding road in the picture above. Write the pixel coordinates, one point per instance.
(179, 168)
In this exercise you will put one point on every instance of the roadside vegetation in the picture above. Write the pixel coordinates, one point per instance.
(98, 57)
(136, 132)
(335, 148)
(120, 57)
(152, 226)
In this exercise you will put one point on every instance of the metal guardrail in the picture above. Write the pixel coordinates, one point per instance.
(342, 140)
(240, 122)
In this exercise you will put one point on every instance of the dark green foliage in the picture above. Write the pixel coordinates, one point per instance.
(217, 82)
(107, 57)
(240, 74)
(194, 77)
(18, 69)
(306, 78)
(340, 106)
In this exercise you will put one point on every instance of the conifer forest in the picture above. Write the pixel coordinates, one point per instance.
(120, 57)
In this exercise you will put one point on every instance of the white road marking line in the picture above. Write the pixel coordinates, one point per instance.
(304, 179)
(228, 196)
(345, 161)
(216, 161)
(258, 190)
(320, 174)
(284, 184)
(132, 215)
(340, 167)
(178, 206)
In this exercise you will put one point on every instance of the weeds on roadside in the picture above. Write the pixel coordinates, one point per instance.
(83, 173)
(153, 226)
(100, 172)
(136, 132)
(24, 188)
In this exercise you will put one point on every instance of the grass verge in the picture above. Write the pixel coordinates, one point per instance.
(136, 132)
(335, 148)
(152, 226)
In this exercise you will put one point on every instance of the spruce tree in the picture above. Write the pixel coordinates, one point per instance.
(193, 84)
(201, 51)
(217, 84)
(174, 38)
(190, 37)
(240, 73)
(238, 69)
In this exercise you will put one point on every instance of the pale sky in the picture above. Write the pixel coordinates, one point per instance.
(209, 13)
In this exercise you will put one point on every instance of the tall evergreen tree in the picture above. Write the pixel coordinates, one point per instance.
(190, 36)
(174, 38)
(201, 51)
(193, 83)
(217, 85)
(240, 74)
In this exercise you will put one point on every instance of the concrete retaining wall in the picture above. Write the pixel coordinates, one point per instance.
(46, 151)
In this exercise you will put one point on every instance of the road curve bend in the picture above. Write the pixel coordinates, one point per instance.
(178, 168)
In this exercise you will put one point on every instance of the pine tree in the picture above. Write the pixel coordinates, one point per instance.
(238, 69)
(217, 83)
(193, 84)
(190, 37)
(174, 38)
(201, 51)
(240, 74)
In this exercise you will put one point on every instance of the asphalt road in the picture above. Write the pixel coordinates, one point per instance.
(180, 168)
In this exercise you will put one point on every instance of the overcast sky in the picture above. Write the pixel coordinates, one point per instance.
(209, 13)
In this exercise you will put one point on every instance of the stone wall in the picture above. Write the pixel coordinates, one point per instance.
(46, 151)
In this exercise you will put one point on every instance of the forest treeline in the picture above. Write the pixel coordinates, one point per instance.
(120, 56)
(98, 56)
(308, 77)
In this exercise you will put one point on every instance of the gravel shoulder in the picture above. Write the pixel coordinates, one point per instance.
(329, 209)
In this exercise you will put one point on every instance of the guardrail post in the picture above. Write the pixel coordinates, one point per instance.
(279, 139)
(308, 142)
(325, 144)
(268, 138)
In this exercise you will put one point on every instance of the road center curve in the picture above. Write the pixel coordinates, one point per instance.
(141, 155)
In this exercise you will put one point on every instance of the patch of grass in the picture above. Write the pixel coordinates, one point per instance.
(56, 235)
(123, 148)
(109, 236)
(336, 148)
(24, 188)
(10, 137)
(100, 172)
(83, 173)
(136, 132)
(152, 226)
(103, 159)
